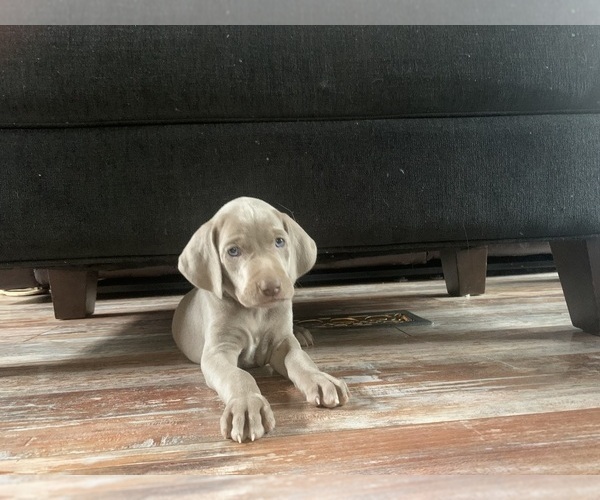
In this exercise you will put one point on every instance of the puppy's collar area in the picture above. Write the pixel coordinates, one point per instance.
(230, 298)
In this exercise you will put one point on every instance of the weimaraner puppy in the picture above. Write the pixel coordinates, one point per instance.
(244, 262)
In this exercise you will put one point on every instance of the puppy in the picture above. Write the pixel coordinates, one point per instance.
(244, 262)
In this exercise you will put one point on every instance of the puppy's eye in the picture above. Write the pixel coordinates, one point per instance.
(279, 242)
(233, 252)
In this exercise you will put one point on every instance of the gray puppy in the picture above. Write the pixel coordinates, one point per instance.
(243, 263)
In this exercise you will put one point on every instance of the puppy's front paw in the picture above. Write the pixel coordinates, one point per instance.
(322, 389)
(247, 417)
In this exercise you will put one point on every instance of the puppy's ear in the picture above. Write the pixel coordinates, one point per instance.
(199, 262)
(302, 247)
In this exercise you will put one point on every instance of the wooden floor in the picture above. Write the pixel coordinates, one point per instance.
(498, 384)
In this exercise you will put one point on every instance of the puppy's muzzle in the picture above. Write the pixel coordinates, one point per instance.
(266, 289)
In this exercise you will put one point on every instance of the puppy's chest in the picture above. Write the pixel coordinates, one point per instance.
(260, 339)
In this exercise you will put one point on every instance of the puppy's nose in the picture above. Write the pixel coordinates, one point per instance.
(270, 288)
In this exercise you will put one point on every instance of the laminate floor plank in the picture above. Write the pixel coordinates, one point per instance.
(497, 384)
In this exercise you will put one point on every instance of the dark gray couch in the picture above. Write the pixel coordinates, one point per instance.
(117, 142)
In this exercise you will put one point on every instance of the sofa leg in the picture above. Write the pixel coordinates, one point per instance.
(578, 266)
(73, 292)
(465, 270)
(17, 278)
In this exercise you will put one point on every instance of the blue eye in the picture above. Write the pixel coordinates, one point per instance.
(233, 252)
(279, 242)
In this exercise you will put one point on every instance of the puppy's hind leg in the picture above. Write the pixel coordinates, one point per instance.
(303, 336)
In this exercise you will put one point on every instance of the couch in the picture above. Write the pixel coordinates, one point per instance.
(119, 141)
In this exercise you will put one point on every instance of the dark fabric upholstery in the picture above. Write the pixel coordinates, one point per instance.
(118, 142)
(102, 74)
(142, 191)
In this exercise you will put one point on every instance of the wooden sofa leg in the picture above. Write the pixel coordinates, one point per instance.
(17, 278)
(465, 270)
(73, 292)
(578, 266)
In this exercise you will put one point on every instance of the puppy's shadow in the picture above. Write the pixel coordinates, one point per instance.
(141, 339)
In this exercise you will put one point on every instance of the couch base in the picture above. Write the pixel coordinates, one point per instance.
(577, 262)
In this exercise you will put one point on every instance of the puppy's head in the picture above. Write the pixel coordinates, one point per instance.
(250, 251)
